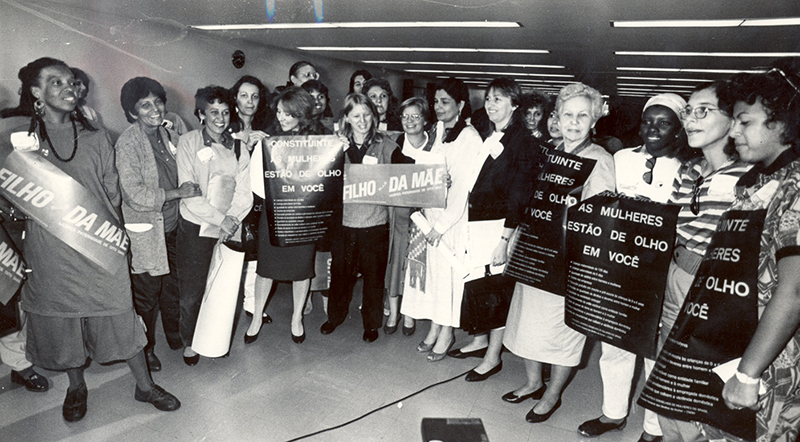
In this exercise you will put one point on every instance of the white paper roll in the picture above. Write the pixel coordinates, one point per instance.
(212, 335)
(419, 219)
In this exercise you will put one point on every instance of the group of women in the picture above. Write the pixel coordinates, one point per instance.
(181, 192)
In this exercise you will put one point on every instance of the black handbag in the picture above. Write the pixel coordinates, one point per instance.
(248, 242)
(486, 301)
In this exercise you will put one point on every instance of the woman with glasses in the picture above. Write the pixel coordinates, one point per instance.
(646, 171)
(380, 93)
(704, 189)
(439, 297)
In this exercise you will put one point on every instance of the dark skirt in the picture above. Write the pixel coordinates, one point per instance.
(294, 263)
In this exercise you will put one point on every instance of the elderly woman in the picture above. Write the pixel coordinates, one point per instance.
(440, 298)
(357, 81)
(535, 328)
(293, 107)
(379, 92)
(75, 308)
(321, 112)
(148, 179)
(362, 243)
(533, 105)
(215, 161)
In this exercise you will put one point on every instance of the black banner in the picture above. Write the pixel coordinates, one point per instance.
(538, 258)
(303, 175)
(715, 325)
(618, 252)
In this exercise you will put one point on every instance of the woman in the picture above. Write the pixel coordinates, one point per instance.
(552, 129)
(215, 161)
(357, 81)
(362, 243)
(76, 309)
(704, 189)
(301, 72)
(321, 112)
(509, 159)
(293, 109)
(440, 300)
(536, 330)
(82, 89)
(380, 93)
(533, 105)
(148, 179)
(646, 171)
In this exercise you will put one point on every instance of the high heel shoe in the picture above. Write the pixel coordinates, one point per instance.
(424, 348)
(436, 357)
(534, 417)
(299, 339)
(250, 339)
(408, 331)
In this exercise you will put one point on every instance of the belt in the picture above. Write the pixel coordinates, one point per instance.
(687, 260)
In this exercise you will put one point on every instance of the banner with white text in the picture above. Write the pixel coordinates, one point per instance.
(12, 268)
(618, 253)
(404, 185)
(303, 176)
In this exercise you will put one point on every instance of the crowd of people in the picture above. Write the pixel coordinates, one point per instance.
(193, 189)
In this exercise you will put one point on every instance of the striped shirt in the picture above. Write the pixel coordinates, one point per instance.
(714, 194)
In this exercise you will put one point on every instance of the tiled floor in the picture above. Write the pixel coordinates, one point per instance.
(275, 390)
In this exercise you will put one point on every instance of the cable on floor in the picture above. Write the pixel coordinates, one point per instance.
(325, 430)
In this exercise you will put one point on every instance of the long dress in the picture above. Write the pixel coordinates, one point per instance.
(439, 297)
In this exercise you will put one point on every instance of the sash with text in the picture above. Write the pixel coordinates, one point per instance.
(404, 185)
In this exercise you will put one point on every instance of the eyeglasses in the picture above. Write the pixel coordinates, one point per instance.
(411, 117)
(648, 175)
(698, 112)
(694, 205)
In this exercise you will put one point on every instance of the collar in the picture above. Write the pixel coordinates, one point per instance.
(578, 149)
(751, 176)
(227, 139)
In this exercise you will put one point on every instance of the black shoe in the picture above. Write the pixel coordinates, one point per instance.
(534, 417)
(596, 427)
(654, 439)
(152, 360)
(474, 376)
(299, 339)
(74, 408)
(191, 360)
(34, 382)
(265, 319)
(158, 397)
(408, 331)
(327, 328)
(250, 339)
(458, 354)
(370, 335)
(514, 399)
(390, 329)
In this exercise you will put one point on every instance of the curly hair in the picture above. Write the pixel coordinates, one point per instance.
(573, 90)
(208, 95)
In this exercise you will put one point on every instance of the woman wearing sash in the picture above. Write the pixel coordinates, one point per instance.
(646, 171)
(509, 158)
(440, 299)
(76, 309)
(536, 330)
(293, 107)
(148, 180)
(214, 160)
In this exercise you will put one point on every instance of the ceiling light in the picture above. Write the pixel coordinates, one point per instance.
(448, 63)
(733, 23)
(709, 54)
(673, 86)
(406, 49)
(510, 74)
(698, 80)
(361, 25)
(701, 71)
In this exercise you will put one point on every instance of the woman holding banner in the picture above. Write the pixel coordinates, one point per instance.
(214, 160)
(148, 180)
(293, 112)
(536, 330)
(79, 304)
(362, 241)
(439, 298)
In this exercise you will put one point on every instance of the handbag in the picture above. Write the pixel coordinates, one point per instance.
(486, 301)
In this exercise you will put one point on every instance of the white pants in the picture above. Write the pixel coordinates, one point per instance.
(12, 350)
(617, 371)
(250, 285)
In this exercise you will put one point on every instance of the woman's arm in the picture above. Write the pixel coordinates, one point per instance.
(137, 192)
(776, 326)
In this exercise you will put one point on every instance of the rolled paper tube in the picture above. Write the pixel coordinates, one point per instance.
(457, 265)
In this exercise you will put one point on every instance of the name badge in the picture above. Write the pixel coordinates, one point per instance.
(24, 141)
(369, 159)
(205, 154)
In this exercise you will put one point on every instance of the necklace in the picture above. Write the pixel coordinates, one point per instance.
(74, 147)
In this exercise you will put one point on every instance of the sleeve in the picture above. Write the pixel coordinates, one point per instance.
(198, 205)
(136, 192)
(787, 241)
(108, 172)
(602, 176)
(243, 196)
(461, 165)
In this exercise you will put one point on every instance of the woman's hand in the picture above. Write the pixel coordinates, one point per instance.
(448, 180)
(189, 189)
(255, 137)
(228, 227)
(499, 255)
(345, 142)
(738, 395)
(433, 237)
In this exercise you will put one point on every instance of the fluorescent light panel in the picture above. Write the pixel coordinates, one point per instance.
(698, 80)
(361, 25)
(447, 63)
(409, 49)
(672, 86)
(699, 71)
(709, 54)
(733, 23)
(510, 74)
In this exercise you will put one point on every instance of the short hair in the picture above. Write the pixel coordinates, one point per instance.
(381, 83)
(506, 87)
(534, 99)
(318, 86)
(361, 72)
(208, 95)
(296, 67)
(79, 74)
(725, 106)
(419, 102)
(573, 90)
(459, 91)
(134, 90)
(350, 102)
(297, 102)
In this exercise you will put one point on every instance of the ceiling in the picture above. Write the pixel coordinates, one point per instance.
(575, 33)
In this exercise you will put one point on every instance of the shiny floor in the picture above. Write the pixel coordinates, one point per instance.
(276, 390)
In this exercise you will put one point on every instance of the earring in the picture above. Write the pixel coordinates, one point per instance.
(38, 107)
